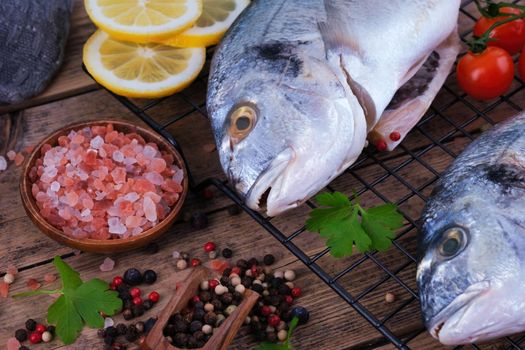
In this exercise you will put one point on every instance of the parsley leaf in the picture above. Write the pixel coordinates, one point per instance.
(80, 302)
(345, 224)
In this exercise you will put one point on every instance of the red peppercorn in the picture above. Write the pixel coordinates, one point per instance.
(381, 145)
(288, 299)
(195, 262)
(135, 292)
(274, 320)
(237, 270)
(40, 328)
(112, 286)
(117, 281)
(195, 299)
(265, 310)
(35, 338)
(254, 270)
(137, 301)
(209, 247)
(154, 296)
(213, 283)
(395, 136)
(296, 292)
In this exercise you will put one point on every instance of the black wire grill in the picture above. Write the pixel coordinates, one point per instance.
(404, 177)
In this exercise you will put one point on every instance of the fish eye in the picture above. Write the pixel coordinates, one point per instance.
(242, 121)
(453, 241)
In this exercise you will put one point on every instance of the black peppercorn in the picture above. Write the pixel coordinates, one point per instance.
(275, 300)
(195, 326)
(169, 330)
(21, 335)
(51, 329)
(260, 335)
(268, 259)
(243, 264)
(150, 276)
(237, 296)
(133, 277)
(147, 304)
(224, 280)
(109, 340)
(192, 343)
(227, 271)
(276, 282)
(175, 317)
(137, 310)
(111, 331)
(199, 335)
(253, 261)
(217, 305)
(121, 328)
(205, 296)
(132, 334)
(210, 318)
(286, 316)
(180, 340)
(301, 313)
(257, 288)
(181, 326)
(23, 348)
(199, 305)
(227, 298)
(271, 336)
(227, 253)
(247, 281)
(231, 289)
(30, 325)
(198, 314)
(283, 307)
(101, 333)
(127, 314)
(284, 289)
(108, 347)
(149, 324)
(184, 256)
(128, 304)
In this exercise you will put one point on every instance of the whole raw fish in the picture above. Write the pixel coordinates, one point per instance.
(471, 274)
(296, 86)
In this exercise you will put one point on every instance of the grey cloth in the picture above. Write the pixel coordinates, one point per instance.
(33, 35)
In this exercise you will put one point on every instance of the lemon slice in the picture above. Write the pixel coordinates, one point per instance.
(141, 70)
(217, 16)
(143, 20)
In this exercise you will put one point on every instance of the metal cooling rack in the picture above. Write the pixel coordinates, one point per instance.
(450, 124)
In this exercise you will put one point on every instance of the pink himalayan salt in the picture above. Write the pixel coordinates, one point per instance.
(13, 344)
(12, 269)
(107, 265)
(94, 184)
(19, 159)
(3, 163)
(33, 284)
(4, 289)
(50, 278)
(11, 155)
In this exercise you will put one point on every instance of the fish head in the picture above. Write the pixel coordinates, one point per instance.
(282, 131)
(470, 275)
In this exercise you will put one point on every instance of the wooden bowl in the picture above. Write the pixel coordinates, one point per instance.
(94, 245)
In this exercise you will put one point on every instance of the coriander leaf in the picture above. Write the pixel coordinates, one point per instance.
(64, 315)
(344, 235)
(272, 346)
(336, 199)
(70, 278)
(93, 297)
(380, 223)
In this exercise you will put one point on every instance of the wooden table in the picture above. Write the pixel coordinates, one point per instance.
(73, 97)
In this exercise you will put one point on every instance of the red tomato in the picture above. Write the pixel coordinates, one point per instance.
(509, 36)
(521, 65)
(485, 75)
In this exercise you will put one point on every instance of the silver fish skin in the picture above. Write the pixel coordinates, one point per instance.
(295, 87)
(471, 273)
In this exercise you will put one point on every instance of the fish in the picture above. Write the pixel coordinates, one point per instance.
(33, 35)
(296, 87)
(471, 268)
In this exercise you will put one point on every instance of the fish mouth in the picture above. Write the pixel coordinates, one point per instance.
(456, 309)
(267, 183)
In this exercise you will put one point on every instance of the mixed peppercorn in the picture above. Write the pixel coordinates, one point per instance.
(34, 332)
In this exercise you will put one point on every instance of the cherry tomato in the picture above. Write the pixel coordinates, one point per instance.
(486, 75)
(521, 65)
(509, 36)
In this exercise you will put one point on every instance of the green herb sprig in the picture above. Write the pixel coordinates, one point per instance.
(79, 304)
(345, 224)
(284, 346)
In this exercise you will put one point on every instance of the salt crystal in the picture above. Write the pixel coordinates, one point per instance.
(108, 322)
(55, 186)
(102, 153)
(150, 210)
(13, 344)
(137, 231)
(149, 152)
(130, 160)
(132, 197)
(154, 178)
(100, 195)
(175, 254)
(86, 212)
(116, 226)
(19, 159)
(118, 156)
(50, 278)
(3, 163)
(97, 142)
(33, 284)
(4, 289)
(178, 176)
(107, 265)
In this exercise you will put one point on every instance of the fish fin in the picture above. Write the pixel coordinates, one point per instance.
(332, 34)
(413, 99)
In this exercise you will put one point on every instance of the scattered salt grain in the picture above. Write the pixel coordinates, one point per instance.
(13, 344)
(19, 159)
(33, 284)
(11, 155)
(97, 142)
(3, 163)
(12, 269)
(50, 278)
(107, 265)
(55, 186)
(4, 289)
(175, 254)
(108, 322)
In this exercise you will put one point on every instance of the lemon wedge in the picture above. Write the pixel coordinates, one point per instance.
(217, 16)
(143, 20)
(141, 70)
